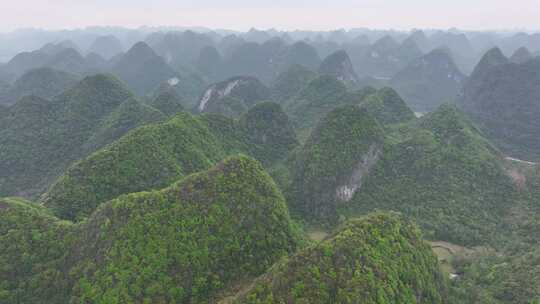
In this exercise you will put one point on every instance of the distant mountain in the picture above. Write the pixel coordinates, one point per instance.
(303, 54)
(386, 57)
(167, 100)
(142, 69)
(68, 60)
(106, 46)
(256, 35)
(421, 40)
(314, 274)
(503, 99)
(459, 45)
(40, 138)
(139, 235)
(251, 59)
(387, 107)
(289, 82)
(209, 63)
(521, 55)
(61, 58)
(429, 81)
(233, 96)
(179, 49)
(96, 64)
(55, 48)
(3, 110)
(41, 82)
(339, 65)
(22, 63)
(267, 60)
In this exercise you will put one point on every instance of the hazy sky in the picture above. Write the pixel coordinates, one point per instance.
(280, 14)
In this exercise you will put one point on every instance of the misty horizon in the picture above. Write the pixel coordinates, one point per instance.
(241, 15)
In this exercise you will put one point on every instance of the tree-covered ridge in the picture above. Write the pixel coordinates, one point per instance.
(128, 115)
(443, 174)
(182, 244)
(155, 155)
(41, 82)
(377, 259)
(167, 100)
(318, 98)
(40, 138)
(33, 246)
(387, 106)
(332, 164)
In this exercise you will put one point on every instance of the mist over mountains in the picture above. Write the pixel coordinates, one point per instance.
(190, 165)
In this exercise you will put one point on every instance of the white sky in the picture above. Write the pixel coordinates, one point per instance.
(280, 14)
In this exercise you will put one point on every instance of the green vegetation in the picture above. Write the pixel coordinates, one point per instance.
(333, 161)
(153, 156)
(33, 244)
(443, 174)
(128, 115)
(40, 138)
(167, 101)
(269, 132)
(387, 106)
(182, 244)
(42, 82)
(318, 98)
(377, 259)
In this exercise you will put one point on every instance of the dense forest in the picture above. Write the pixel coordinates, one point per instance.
(198, 166)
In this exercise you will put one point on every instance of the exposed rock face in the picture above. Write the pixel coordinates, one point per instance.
(233, 96)
(345, 192)
(339, 65)
(331, 165)
(429, 81)
(503, 99)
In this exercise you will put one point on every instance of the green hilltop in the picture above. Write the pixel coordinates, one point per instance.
(40, 82)
(333, 161)
(182, 244)
(40, 138)
(443, 174)
(377, 259)
(153, 156)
